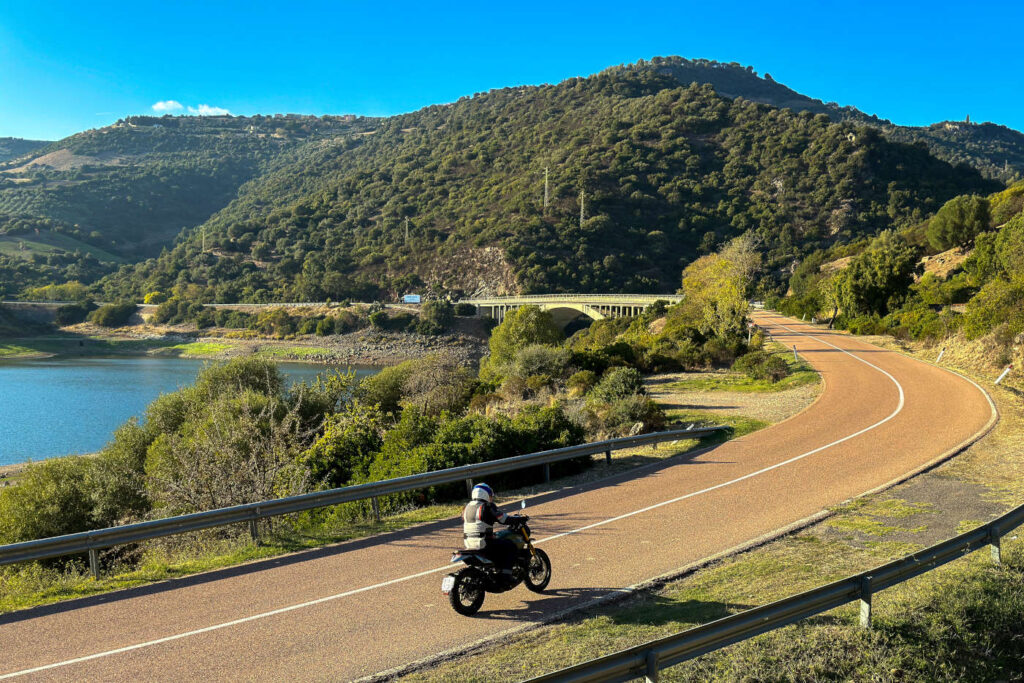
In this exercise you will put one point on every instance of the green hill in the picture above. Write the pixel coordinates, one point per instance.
(673, 156)
(996, 151)
(12, 148)
(666, 172)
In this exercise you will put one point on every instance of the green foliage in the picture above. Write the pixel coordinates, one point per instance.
(1009, 247)
(761, 365)
(72, 314)
(878, 279)
(113, 315)
(618, 383)
(538, 359)
(998, 303)
(436, 317)
(51, 499)
(350, 440)
(524, 327)
(465, 310)
(581, 382)
(665, 167)
(958, 221)
(385, 388)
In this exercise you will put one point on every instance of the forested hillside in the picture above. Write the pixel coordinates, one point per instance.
(996, 151)
(11, 148)
(666, 173)
(450, 198)
(77, 208)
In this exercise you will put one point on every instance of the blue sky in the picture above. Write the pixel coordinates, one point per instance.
(69, 66)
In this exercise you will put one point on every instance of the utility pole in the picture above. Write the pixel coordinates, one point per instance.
(407, 230)
(546, 190)
(582, 212)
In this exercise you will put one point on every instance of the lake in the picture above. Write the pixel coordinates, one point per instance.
(58, 406)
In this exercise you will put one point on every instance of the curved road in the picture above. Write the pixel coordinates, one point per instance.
(366, 606)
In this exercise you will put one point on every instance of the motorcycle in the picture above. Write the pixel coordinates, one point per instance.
(467, 587)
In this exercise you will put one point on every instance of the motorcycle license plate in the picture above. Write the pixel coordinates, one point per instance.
(447, 584)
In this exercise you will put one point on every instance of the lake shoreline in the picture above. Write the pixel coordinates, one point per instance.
(367, 347)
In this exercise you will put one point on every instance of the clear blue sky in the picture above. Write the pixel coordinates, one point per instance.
(67, 66)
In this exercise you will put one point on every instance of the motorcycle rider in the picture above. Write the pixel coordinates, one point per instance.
(478, 520)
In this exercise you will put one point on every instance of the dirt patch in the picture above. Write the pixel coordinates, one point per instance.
(945, 263)
(66, 160)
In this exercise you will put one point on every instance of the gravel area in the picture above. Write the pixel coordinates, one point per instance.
(771, 407)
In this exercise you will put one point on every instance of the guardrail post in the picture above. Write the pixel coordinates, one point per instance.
(608, 457)
(376, 509)
(651, 667)
(865, 602)
(469, 488)
(547, 472)
(995, 546)
(254, 531)
(94, 563)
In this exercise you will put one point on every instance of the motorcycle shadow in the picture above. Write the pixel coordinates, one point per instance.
(551, 603)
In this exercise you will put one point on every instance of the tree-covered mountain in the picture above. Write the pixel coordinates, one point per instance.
(996, 151)
(451, 196)
(665, 173)
(80, 207)
(12, 148)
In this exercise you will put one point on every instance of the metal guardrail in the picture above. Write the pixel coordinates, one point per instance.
(92, 541)
(644, 661)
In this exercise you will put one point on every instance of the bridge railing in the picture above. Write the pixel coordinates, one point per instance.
(92, 541)
(623, 299)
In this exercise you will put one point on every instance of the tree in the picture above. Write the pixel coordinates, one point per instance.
(957, 222)
(878, 279)
(350, 440)
(521, 328)
(714, 289)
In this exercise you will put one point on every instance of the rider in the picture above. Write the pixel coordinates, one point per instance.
(478, 527)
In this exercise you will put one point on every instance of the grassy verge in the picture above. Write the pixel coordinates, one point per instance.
(964, 621)
(12, 351)
(194, 350)
(800, 374)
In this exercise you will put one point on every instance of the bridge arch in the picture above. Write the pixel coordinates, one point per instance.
(565, 313)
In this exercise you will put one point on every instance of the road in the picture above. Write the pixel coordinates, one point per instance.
(366, 606)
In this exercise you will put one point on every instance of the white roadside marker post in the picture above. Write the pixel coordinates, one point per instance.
(1005, 373)
(943, 351)
(795, 359)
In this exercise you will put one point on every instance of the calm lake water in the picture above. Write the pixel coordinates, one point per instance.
(58, 406)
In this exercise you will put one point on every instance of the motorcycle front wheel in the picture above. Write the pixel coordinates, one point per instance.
(467, 594)
(538, 572)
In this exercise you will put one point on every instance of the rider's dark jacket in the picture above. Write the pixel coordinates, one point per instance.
(478, 523)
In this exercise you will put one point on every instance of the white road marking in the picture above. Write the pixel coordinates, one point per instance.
(364, 589)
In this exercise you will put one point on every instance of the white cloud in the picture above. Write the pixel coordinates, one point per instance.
(168, 105)
(207, 110)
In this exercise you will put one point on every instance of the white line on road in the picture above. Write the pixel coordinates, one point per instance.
(345, 594)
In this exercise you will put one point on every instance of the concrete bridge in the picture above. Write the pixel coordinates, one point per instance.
(565, 308)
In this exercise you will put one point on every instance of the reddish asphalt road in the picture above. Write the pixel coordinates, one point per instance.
(325, 615)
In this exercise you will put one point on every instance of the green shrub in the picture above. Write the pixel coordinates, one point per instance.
(52, 498)
(465, 310)
(72, 314)
(631, 415)
(113, 315)
(385, 389)
(761, 365)
(581, 382)
(618, 383)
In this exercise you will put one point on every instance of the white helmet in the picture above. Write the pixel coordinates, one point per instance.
(482, 492)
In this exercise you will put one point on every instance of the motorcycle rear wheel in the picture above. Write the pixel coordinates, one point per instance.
(467, 595)
(538, 571)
